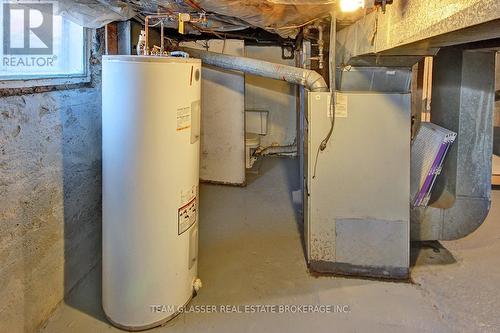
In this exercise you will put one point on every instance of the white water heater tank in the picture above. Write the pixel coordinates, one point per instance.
(150, 170)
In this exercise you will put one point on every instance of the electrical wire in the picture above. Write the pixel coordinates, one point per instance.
(324, 143)
(298, 26)
(224, 44)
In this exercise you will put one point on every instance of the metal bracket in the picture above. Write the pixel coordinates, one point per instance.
(288, 51)
(383, 4)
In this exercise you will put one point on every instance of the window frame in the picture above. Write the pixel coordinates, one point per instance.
(43, 80)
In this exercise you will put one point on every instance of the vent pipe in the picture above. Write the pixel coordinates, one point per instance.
(304, 77)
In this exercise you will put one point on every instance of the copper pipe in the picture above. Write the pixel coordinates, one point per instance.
(194, 5)
(146, 29)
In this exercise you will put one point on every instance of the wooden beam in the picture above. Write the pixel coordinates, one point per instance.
(417, 104)
(495, 177)
(111, 35)
(495, 180)
(414, 27)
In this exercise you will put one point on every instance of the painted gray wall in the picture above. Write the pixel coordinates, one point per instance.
(222, 149)
(50, 199)
(278, 97)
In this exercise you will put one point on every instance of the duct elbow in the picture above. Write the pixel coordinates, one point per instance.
(462, 219)
(316, 82)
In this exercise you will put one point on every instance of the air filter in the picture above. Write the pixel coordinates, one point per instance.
(428, 152)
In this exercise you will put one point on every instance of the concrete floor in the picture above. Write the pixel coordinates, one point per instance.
(251, 253)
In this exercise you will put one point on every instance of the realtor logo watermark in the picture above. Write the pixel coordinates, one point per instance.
(28, 34)
(253, 308)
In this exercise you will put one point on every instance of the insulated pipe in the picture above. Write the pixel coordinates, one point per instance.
(304, 77)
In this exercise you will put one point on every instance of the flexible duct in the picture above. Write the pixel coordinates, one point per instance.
(304, 77)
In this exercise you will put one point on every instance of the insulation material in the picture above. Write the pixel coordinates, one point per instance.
(215, 22)
(284, 17)
(303, 2)
(94, 13)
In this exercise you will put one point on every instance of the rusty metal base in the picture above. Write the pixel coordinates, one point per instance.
(336, 268)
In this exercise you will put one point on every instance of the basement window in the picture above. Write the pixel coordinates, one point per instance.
(39, 48)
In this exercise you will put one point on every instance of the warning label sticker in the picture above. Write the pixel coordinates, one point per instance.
(340, 106)
(183, 118)
(186, 216)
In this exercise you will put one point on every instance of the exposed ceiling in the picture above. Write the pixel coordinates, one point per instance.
(284, 17)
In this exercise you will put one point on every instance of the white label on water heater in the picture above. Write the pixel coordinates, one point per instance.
(186, 216)
(183, 118)
(187, 213)
(195, 121)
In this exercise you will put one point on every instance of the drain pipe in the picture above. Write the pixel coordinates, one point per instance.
(304, 77)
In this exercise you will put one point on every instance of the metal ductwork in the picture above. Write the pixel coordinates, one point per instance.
(304, 77)
(462, 100)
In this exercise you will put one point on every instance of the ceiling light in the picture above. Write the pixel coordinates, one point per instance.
(351, 5)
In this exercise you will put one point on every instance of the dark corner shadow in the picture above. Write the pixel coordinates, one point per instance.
(427, 253)
(259, 169)
(496, 139)
(86, 295)
(293, 183)
(81, 162)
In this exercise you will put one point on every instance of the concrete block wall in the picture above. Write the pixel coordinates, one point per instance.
(50, 199)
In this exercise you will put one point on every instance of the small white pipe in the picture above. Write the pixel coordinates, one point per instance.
(162, 37)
